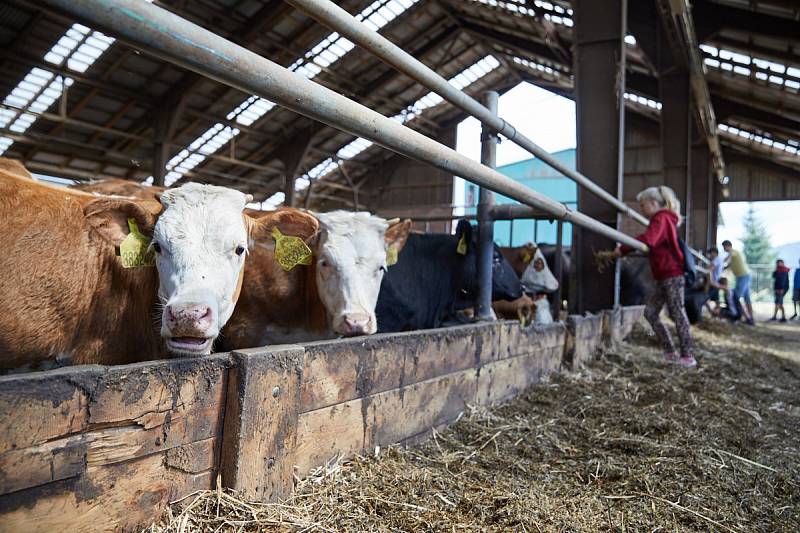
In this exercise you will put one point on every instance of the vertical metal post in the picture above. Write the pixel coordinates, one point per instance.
(536, 232)
(558, 267)
(511, 233)
(600, 115)
(483, 300)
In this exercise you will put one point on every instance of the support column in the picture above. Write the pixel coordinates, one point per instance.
(676, 121)
(599, 91)
(701, 193)
(292, 156)
(483, 300)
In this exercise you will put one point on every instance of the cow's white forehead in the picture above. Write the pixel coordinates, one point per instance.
(358, 233)
(204, 211)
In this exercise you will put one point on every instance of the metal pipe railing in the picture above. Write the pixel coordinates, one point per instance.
(339, 20)
(184, 43)
(344, 23)
(483, 300)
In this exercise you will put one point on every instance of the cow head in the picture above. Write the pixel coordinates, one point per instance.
(201, 241)
(351, 255)
(505, 282)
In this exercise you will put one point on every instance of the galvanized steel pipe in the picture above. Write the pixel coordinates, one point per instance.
(347, 25)
(183, 43)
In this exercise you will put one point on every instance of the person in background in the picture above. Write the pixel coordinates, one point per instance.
(662, 207)
(738, 264)
(715, 272)
(781, 287)
(796, 292)
(730, 310)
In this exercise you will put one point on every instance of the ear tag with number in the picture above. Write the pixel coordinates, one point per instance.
(290, 251)
(391, 255)
(461, 248)
(135, 250)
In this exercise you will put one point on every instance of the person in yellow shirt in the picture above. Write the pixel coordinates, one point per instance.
(737, 262)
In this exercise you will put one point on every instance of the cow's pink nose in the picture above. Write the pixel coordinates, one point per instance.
(356, 324)
(188, 319)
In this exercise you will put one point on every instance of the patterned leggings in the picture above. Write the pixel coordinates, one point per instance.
(670, 291)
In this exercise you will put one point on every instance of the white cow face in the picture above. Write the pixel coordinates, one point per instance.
(351, 257)
(200, 240)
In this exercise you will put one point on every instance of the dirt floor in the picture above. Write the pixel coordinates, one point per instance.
(629, 444)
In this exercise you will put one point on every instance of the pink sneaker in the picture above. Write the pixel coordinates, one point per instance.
(687, 361)
(671, 357)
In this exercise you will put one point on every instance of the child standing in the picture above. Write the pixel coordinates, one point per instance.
(781, 287)
(662, 207)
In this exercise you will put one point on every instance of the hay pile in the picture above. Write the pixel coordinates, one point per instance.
(631, 444)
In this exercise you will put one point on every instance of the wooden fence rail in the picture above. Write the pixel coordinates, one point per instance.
(96, 448)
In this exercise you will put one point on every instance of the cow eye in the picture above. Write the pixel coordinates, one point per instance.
(240, 249)
(156, 247)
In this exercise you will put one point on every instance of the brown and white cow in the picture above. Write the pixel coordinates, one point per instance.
(65, 296)
(334, 296)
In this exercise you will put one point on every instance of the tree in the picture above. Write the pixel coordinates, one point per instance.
(757, 247)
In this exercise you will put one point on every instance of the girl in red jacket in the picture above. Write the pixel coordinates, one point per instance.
(662, 207)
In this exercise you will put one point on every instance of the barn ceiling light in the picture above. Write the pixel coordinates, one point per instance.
(78, 49)
(466, 77)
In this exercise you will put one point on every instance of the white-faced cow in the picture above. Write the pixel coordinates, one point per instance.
(334, 296)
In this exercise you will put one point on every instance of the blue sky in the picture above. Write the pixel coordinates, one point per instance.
(549, 120)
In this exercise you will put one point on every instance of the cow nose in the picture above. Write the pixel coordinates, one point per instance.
(356, 324)
(188, 319)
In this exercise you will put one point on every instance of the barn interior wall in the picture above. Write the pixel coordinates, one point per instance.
(404, 187)
(754, 180)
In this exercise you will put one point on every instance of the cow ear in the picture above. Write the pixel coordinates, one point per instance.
(397, 234)
(109, 217)
(464, 236)
(289, 222)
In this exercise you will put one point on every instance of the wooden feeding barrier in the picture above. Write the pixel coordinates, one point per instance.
(107, 448)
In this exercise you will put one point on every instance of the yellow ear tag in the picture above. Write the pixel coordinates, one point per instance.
(527, 255)
(134, 250)
(462, 245)
(391, 255)
(290, 251)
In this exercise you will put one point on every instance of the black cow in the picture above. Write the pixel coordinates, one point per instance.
(432, 280)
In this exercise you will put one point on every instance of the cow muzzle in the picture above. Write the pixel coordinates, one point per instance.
(353, 324)
(189, 327)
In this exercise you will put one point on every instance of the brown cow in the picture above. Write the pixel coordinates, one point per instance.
(335, 295)
(120, 187)
(12, 166)
(65, 296)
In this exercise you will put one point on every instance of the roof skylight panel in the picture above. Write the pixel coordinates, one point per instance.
(323, 54)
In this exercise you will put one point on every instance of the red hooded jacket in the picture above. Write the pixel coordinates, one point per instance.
(661, 236)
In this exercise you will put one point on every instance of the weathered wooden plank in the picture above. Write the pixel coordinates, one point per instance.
(122, 413)
(345, 369)
(261, 421)
(120, 497)
(39, 407)
(400, 414)
(630, 315)
(585, 335)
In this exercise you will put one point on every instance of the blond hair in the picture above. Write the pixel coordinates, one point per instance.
(663, 196)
